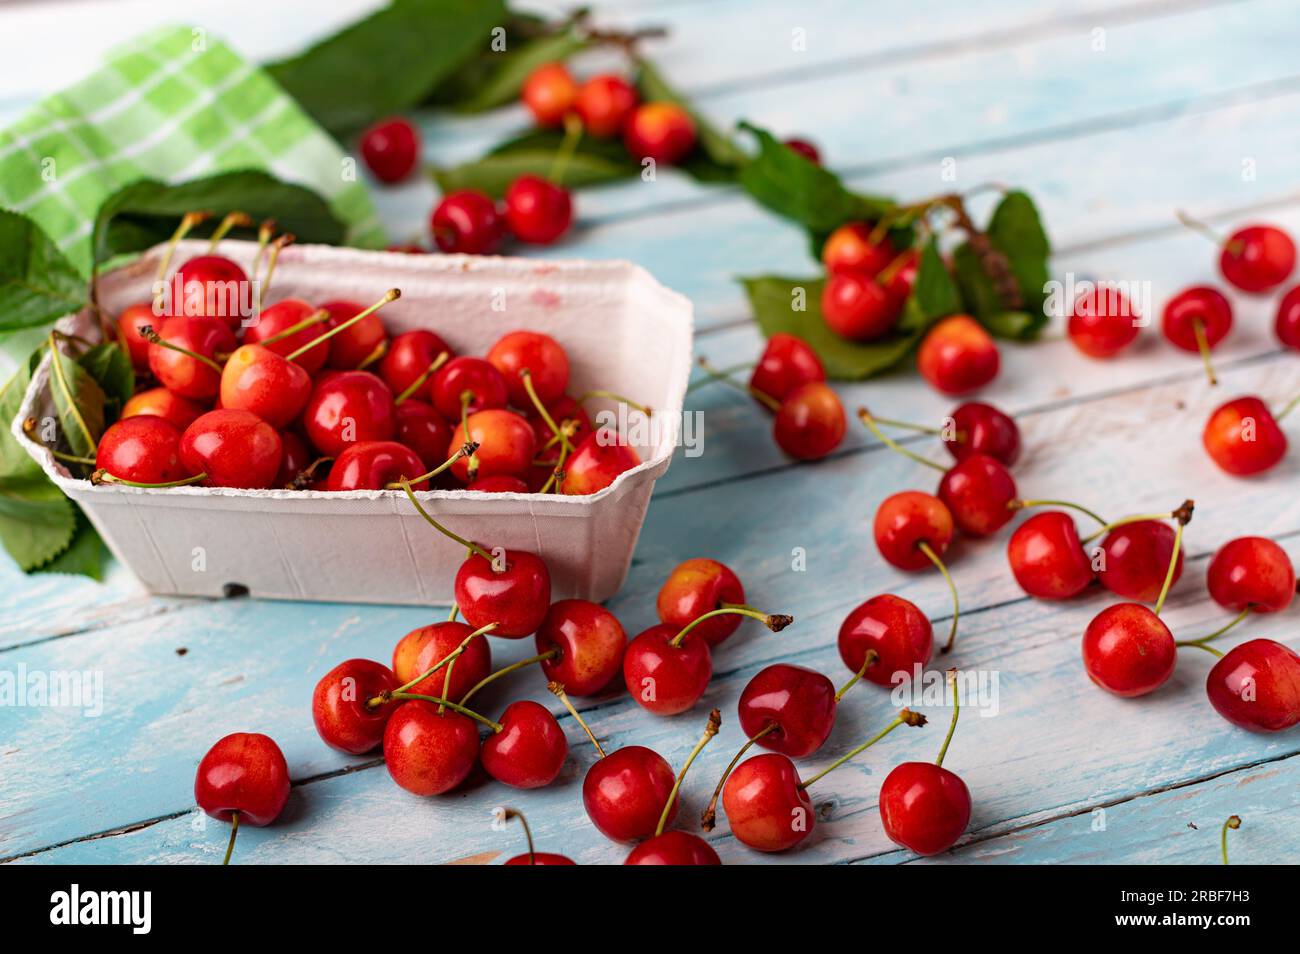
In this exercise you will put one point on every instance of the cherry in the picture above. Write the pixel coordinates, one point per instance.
(541, 356)
(529, 750)
(428, 752)
(405, 366)
(425, 647)
(513, 589)
(295, 459)
(467, 221)
(194, 371)
(1196, 320)
(564, 410)
(549, 93)
(243, 778)
(1243, 437)
(910, 523)
(983, 429)
(1102, 322)
(596, 463)
(538, 211)
(424, 431)
(1047, 557)
(980, 493)
(625, 793)
(1250, 573)
(957, 355)
(696, 587)
(257, 379)
(805, 149)
(1128, 650)
(852, 248)
(472, 380)
(604, 103)
(373, 465)
(1256, 686)
(210, 286)
(349, 407)
(1257, 258)
(142, 450)
(793, 706)
(899, 277)
(786, 363)
(391, 149)
(159, 402)
(810, 422)
(1135, 556)
(1287, 324)
(678, 848)
(358, 343)
(233, 448)
(505, 445)
(855, 306)
(293, 313)
(663, 132)
(129, 323)
(533, 857)
(499, 484)
(589, 643)
(892, 628)
(341, 709)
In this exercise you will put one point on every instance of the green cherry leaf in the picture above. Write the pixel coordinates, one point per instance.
(37, 283)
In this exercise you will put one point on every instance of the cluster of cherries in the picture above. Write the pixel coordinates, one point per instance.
(1242, 436)
(323, 397)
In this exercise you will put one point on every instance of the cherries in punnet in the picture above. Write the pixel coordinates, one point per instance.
(141, 450)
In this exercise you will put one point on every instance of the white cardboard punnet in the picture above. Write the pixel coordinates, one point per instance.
(623, 331)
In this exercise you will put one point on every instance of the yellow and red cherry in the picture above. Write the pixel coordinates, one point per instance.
(428, 751)
(589, 643)
(853, 248)
(505, 445)
(596, 463)
(957, 355)
(664, 132)
(549, 93)
(1243, 437)
(698, 586)
(159, 402)
(425, 647)
(541, 356)
(604, 103)
(810, 423)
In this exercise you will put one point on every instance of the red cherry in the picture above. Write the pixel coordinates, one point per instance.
(1251, 573)
(895, 630)
(786, 363)
(980, 493)
(529, 750)
(924, 807)
(1136, 558)
(908, 519)
(901, 279)
(257, 379)
(159, 402)
(211, 286)
(142, 450)
(1256, 686)
(480, 381)
(467, 221)
(549, 93)
(347, 408)
(1257, 258)
(428, 753)
(505, 445)
(182, 373)
(373, 465)
(664, 677)
(424, 647)
(295, 457)
(537, 210)
(1102, 322)
(663, 132)
(1243, 437)
(810, 422)
(800, 703)
(850, 249)
(499, 484)
(1287, 325)
(855, 306)
(244, 773)
(696, 587)
(280, 317)
(1128, 650)
(596, 463)
(129, 323)
(356, 343)
(766, 806)
(626, 791)
(234, 448)
(805, 149)
(604, 103)
(424, 431)
(1197, 319)
(408, 357)
(540, 858)
(339, 706)
(515, 593)
(391, 149)
(563, 410)
(1047, 557)
(590, 641)
(983, 429)
(957, 355)
(538, 354)
(677, 848)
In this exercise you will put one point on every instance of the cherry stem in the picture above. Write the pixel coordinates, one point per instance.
(1233, 822)
(188, 221)
(455, 611)
(710, 730)
(952, 726)
(442, 702)
(952, 588)
(1218, 632)
(904, 717)
(506, 815)
(232, 220)
(1182, 513)
(908, 425)
(102, 476)
(70, 458)
(865, 416)
(234, 830)
(773, 621)
(505, 670)
(427, 373)
(1173, 565)
(867, 662)
(465, 451)
(391, 295)
(615, 396)
(527, 377)
(306, 476)
(472, 547)
(568, 146)
(895, 264)
(272, 258)
(557, 690)
(716, 374)
(709, 816)
(59, 377)
(1199, 227)
(1203, 346)
(724, 372)
(1193, 644)
(446, 660)
(153, 337)
(1048, 502)
(375, 356)
(265, 232)
(1290, 406)
(315, 318)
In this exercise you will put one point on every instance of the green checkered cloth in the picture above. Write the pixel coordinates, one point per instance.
(172, 105)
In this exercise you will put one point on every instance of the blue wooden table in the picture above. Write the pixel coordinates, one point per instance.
(1112, 113)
